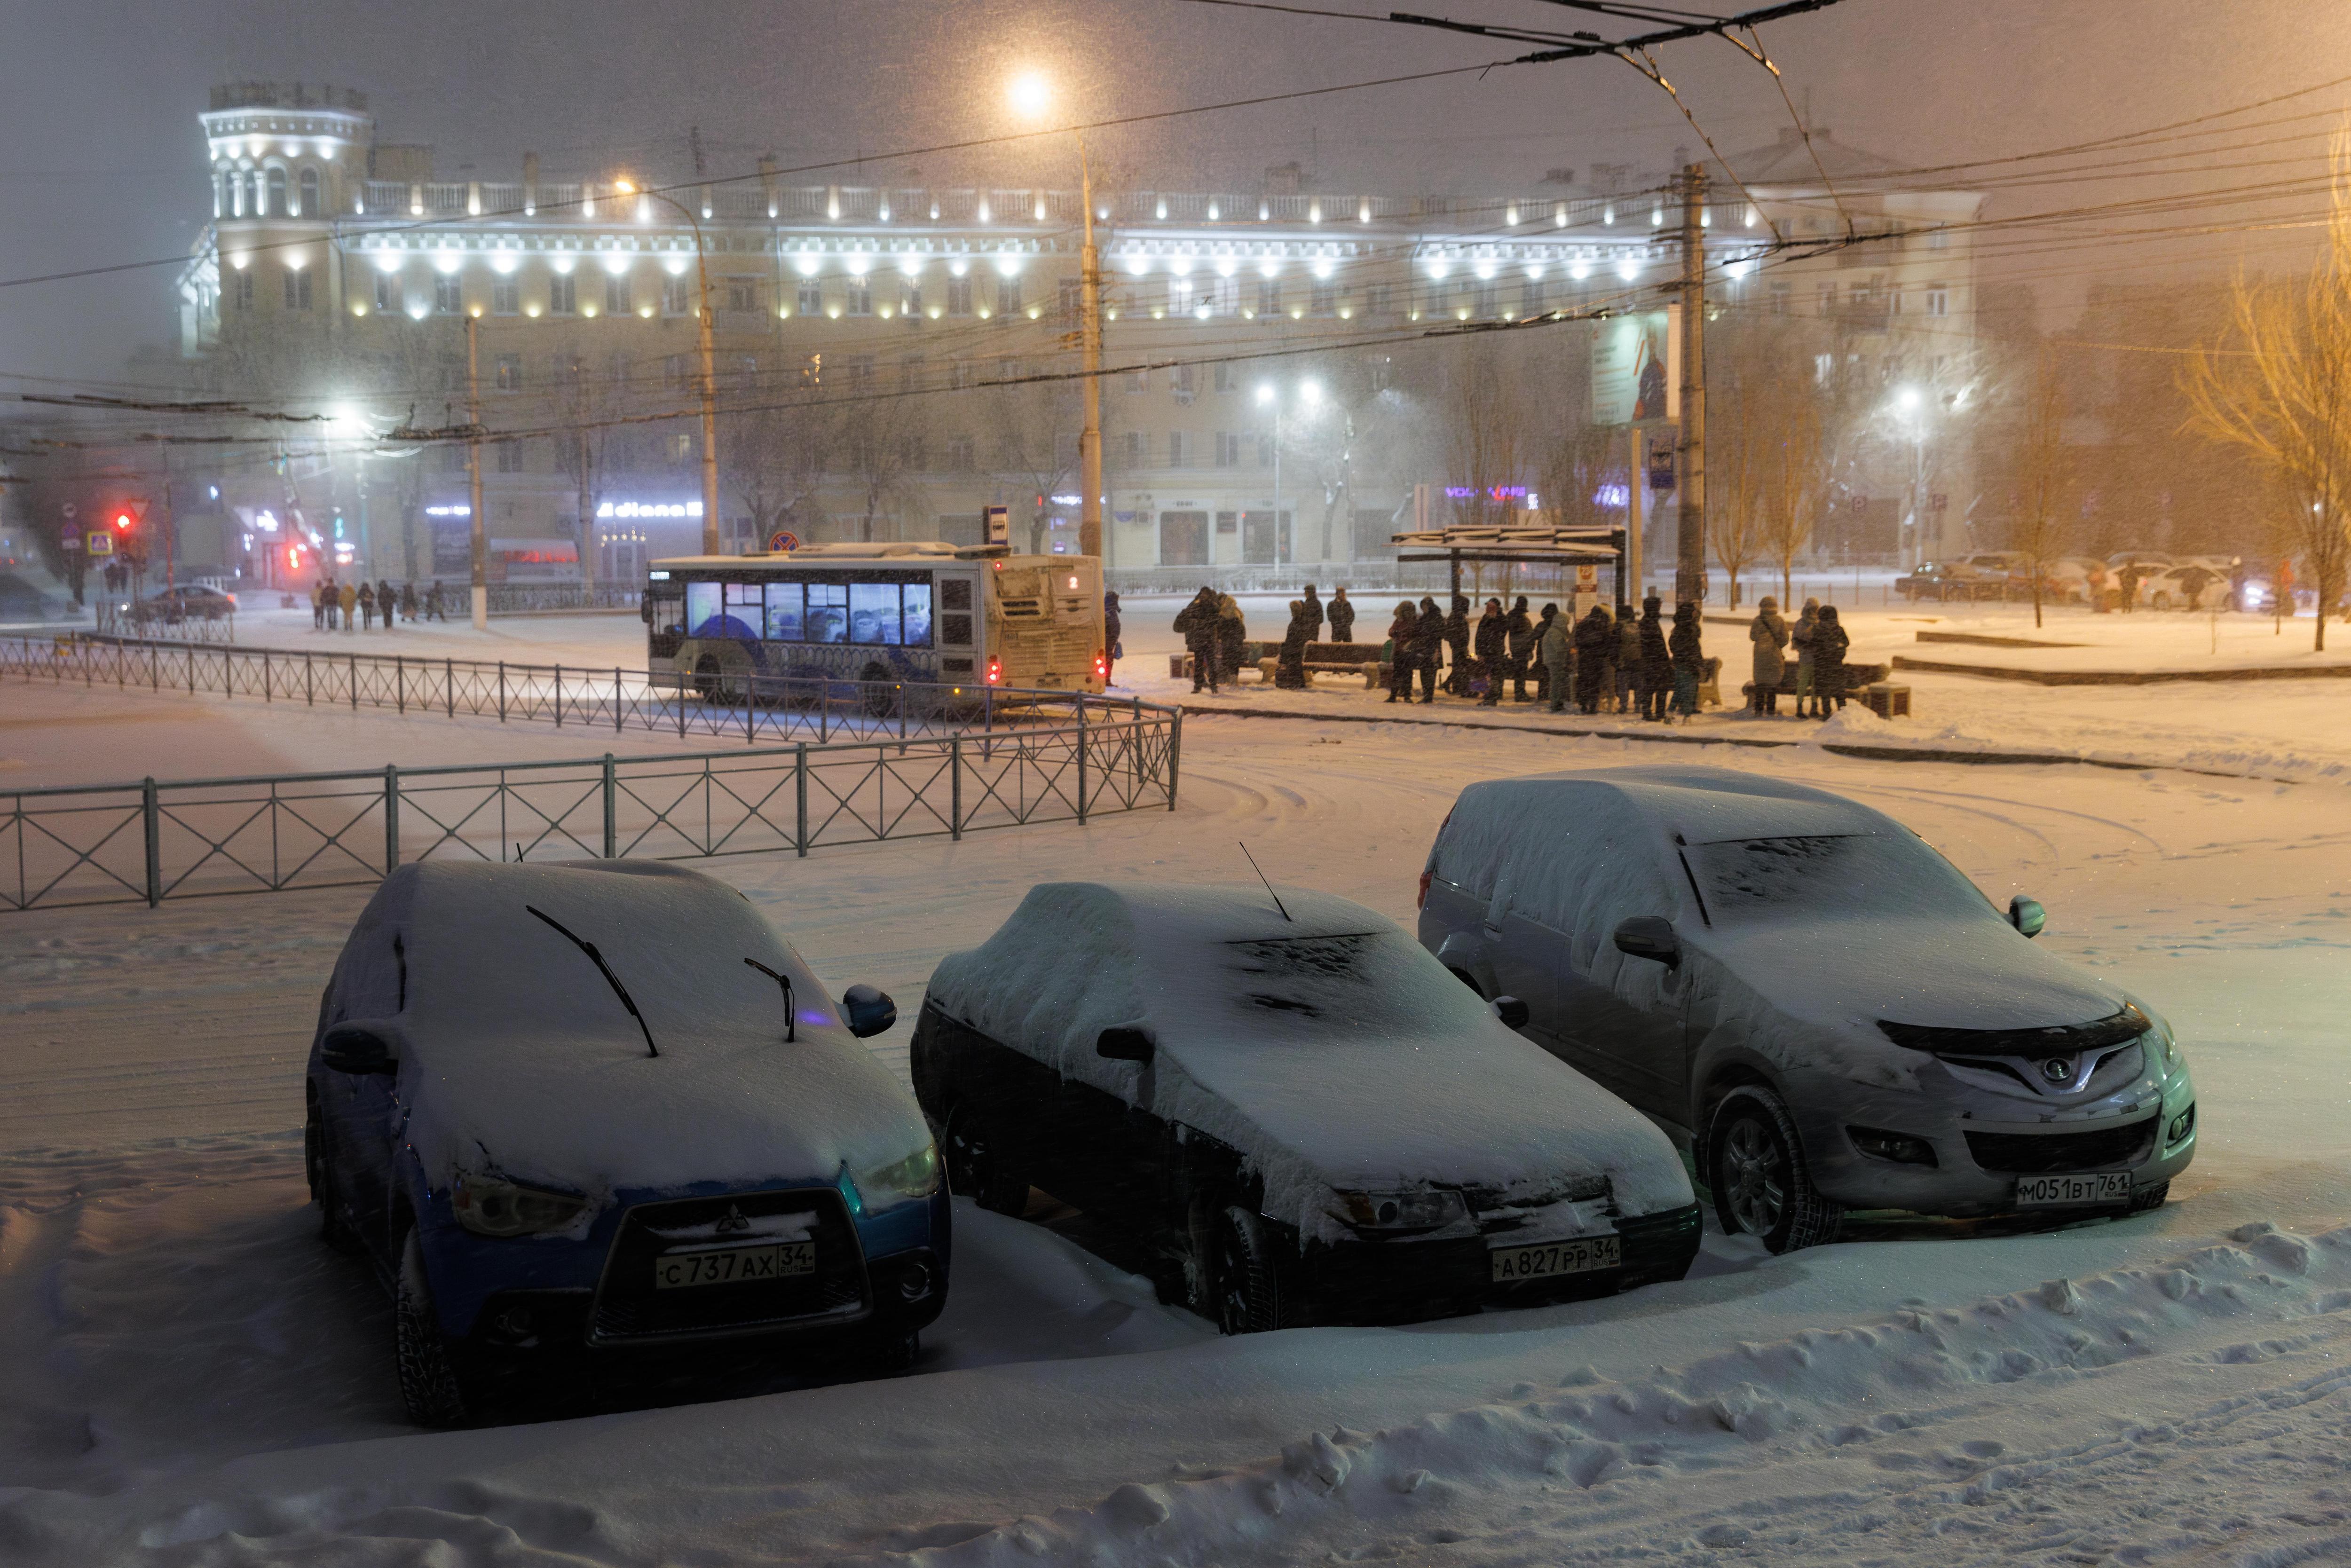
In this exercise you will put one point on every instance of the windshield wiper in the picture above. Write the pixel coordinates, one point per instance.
(791, 1006)
(597, 958)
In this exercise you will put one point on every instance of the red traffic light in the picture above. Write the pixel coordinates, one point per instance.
(123, 521)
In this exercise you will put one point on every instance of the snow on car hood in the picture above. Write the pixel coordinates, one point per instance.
(1325, 1046)
(517, 1055)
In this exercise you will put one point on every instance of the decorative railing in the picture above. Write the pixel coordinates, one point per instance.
(150, 841)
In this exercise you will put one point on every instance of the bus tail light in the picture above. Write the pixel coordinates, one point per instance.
(995, 672)
(1102, 666)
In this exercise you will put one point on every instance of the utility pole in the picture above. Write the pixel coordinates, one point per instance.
(709, 400)
(474, 473)
(1689, 562)
(1090, 466)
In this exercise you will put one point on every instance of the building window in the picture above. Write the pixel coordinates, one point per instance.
(961, 454)
(1222, 295)
(674, 295)
(811, 296)
(505, 296)
(1073, 299)
(1179, 449)
(1828, 296)
(616, 294)
(1779, 299)
(240, 290)
(562, 296)
(961, 373)
(861, 372)
(1226, 377)
(1938, 299)
(1007, 297)
(1137, 448)
(297, 290)
(1268, 297)
(509, 374)
(1533, 298)
(307, 191)
(911, 300)
(1184, 379)
(742, 294)
(510, 456)
(449, 295)
(1228, 449)
(1138, 381)
(277, 192)
(1937, 239)
(680, 448)
(1324, 299)
(1265, 451)
(387, 292)
(1179, 297)
(677, 369)
(958, 296)
(859, 297)
(1375, 299)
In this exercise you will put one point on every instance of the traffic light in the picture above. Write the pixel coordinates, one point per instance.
(123, 522)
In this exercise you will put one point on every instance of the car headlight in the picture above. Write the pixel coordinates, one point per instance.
(492, 1205)
(916, 1175)
(1424, 1210)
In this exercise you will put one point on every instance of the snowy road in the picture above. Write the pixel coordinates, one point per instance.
(193, 1380)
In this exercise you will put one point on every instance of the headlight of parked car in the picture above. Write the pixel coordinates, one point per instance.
(492, 1205)
(916, 1175)
(1424, 1210)
(2162, 1048)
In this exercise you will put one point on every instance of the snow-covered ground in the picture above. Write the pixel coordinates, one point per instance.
(190, 1378)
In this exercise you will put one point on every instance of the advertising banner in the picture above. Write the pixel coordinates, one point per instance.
(1633, 377)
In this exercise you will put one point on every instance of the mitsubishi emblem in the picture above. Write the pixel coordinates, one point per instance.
(732, 1220)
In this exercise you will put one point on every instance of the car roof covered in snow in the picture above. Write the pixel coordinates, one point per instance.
(1715, 805)
(515, 1050)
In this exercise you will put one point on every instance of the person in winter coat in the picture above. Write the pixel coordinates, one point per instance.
(1491, 645)
(1807, 670)
(1428, 646)
(1769, 633)
(1290, 663)
(1829, 644)
(1343, 617)
(319, 606)
(1456, 637)
(1196, 624)
(2127, 585)
(1543, 624)
(1110, 650)
(350, 598)
(367, 604)
(1314, 616)
(1404, 632)
(1654, 681)
(1555, 647)
(387, 599)
(1231, 632)
(1595, 650)
(1518, 629)
(436, 608)
(408, 600)
(1688, 657)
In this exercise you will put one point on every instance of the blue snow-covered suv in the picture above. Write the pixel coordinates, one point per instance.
(598, 1112)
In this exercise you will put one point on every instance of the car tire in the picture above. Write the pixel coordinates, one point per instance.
(1249, 1294)
(429, 1385)
(1755, 1166)
(333, 1229)
(894, 1355)
(2146, 1199)
(977, 1170)
(705, 678)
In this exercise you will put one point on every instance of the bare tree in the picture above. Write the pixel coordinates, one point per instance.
(2281, 388)
(2044, 477)
(773, 457)
(1791, 478)
(1733, 524)
(879, 440)
(1033, 430)
(1486, 431)
(586, 404)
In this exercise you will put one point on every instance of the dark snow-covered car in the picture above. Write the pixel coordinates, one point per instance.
(1823, 1008)
(1297, 1113)
(602, 1115)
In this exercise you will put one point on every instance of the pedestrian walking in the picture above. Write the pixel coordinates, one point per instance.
(1428, 647)
(1343, 617)
(1518, 635)
(1196, 624)
(1769, 633)
(408, 600)
(1290, 663)
(2127, 585)
(1403, 631)
(1111, 652)
(1688, 659)
(1829, 644)
(387, 599)
(318, 605)
(436, 608)
(1595, 647)
(349, 597)
(1314, 616)
(1544, 624)
(1232, 630)
(1456, 637)
(1557, 650)
(1808, 702)
(1627, 676)
(1655, 682)
(367, 604)
(1491, 647)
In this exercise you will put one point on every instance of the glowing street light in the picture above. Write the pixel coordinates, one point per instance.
(709, 375)
(1031, 95)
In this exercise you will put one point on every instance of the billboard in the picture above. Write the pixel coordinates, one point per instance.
(1633, 375)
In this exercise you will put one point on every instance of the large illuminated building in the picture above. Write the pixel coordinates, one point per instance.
(885, 355)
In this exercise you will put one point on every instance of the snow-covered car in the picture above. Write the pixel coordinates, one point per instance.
(1822, 1008)
(2193, 586)
(602, 1115)
(190, 601)
(1944, 581)
(1291, 1108)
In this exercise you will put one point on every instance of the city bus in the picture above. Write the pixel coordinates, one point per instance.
(958, 616)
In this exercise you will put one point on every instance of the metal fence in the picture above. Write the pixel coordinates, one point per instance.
(144, 842)
(753, 709)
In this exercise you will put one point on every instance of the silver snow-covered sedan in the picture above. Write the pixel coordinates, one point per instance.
(1826, 1012)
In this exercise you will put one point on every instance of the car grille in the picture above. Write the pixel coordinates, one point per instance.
(629, 1308)
(2036, 1154)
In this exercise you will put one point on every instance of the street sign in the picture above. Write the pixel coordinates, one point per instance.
(69, 509)
(101, 542)
(998, 519)
(72, 539)
(1587, 576)
(784, 539)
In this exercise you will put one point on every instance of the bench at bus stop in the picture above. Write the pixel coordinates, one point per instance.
(1864, 683)
(1321, 659)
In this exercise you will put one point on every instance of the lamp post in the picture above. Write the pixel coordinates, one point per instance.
(1031, 95)
(1310, 393)
(1910, 404)
(710, 376)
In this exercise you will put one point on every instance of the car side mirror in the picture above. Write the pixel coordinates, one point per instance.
(2027, 915)
(1124, 1045)
(869, 1011)
(1511, 1011)
(1650, 937)
(359, 1049)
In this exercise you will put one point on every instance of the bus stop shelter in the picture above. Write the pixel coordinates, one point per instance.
(1515, 544)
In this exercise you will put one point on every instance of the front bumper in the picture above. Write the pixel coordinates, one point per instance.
(1984, 1144)
(1407, 1280)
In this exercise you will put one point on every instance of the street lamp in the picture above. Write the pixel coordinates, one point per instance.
(1031, 95)
(709, 377)
(1910, 406)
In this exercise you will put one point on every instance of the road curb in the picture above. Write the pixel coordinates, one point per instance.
(2122, 677)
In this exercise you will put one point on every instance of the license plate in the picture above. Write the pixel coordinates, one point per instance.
(734, 1265)
(1584, 1255)
(2074, 1191)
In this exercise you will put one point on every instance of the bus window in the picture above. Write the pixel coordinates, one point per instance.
(703, 609)
(783, 612)
(743, 613)
(918, 616)
(873, 613)
(828, 613)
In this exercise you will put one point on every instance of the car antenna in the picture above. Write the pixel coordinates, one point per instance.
(1268, 885)
(597, 958)
(791, 1006)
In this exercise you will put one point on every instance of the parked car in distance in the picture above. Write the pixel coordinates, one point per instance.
(2193, 586)
(2071, 579)
(2143, 559)
(1824, 1009)
(1943, 581)
(599, 1117)
(1297, 1113)
(190, 601)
